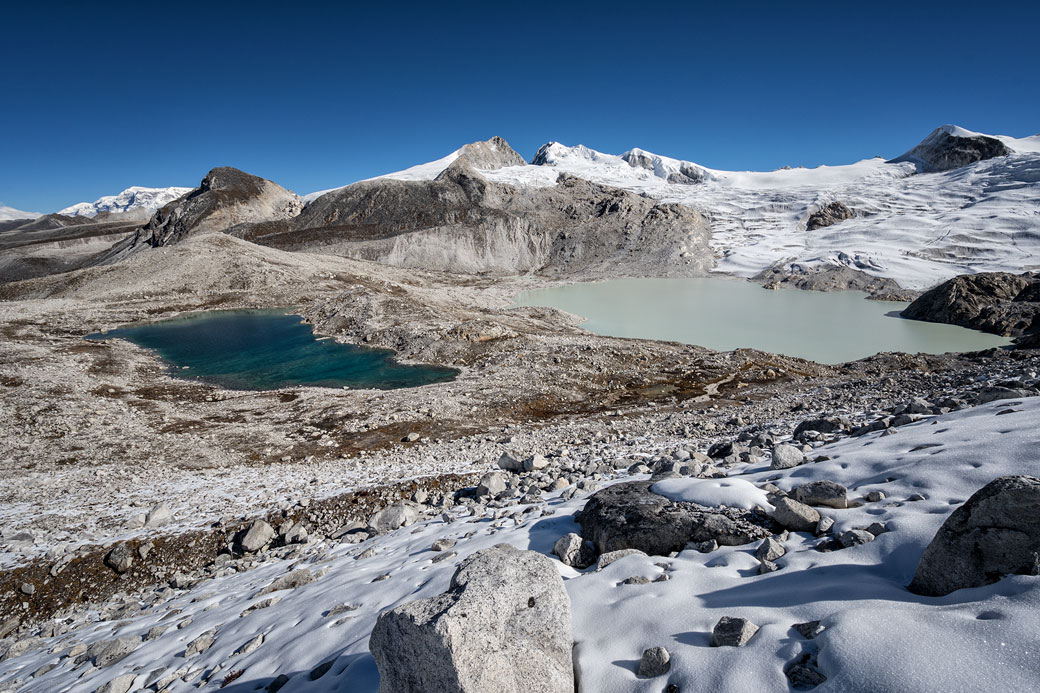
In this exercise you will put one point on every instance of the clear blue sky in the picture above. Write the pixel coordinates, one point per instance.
(100, 96)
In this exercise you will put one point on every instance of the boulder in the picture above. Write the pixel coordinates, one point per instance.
(787, 456)
(732, 632)
(825, 426)
(630, 516)
(655, 662)
(795, 516)
(855, 537)
(491, 484)
(574, 551)
(108, 652)
(257, 536)
(769, 550)
(159, 515)
(607, 558)
(393, 517)
(828, 494)
(120, 558)
(510, 463)
(995, 533)
(535, 462)
(120, 684)
(504, 625)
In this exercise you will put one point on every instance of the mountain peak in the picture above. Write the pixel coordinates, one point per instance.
(951, 146)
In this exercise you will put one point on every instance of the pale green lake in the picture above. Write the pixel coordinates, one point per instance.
(725, 314)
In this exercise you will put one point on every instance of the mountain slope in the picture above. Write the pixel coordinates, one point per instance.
(132, 198)
(916, 229)
(461, 222)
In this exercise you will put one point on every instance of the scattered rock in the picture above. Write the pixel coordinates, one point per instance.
(443, 544)
(732, 632)
(201, 643)
(159, 515)
(809, 629)
(855, 537)
(257, 537)
(393, 517)
(654, 662)
(795, 516)
(120, 558)
(874, 497)
(491, 484)
(290, 581)
(823, 493)
(504, 625)
(120, 684)
(995, 533)
(574, 551)
(769, 550)
(108, 652)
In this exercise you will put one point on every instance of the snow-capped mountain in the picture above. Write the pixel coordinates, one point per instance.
(958, 202)
(916, 229)
(10, 213)
(132, 198)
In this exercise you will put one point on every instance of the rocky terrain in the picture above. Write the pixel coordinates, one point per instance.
(572, 512)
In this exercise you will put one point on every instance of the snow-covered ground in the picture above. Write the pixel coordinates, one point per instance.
(10, 213)
(135, 197)
(916, 229)
(877, 636)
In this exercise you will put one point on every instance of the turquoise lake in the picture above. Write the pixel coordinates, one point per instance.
(725, 314)
(267, 350)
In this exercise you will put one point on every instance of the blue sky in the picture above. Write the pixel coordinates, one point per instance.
(100, 96)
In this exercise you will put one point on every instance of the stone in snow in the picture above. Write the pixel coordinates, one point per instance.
(795, 516)
(769, 550)
(491, 484)
(504, 625)
(995, 533)
(108, 652)
(732, 632)
(855, 537)
(787, 456)
(574, 551)
(654, 662)
(824, 493)
(120, 684)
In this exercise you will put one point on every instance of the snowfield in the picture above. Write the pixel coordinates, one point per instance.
(877, 635)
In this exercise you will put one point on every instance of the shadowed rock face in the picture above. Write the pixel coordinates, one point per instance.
(943, 151)
(461, 222)
(828, 216)
(997, 302)
(995, 533)
(491, 154)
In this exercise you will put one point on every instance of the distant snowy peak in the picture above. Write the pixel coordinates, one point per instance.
(136, 197)
(578, 158)
(10, 213)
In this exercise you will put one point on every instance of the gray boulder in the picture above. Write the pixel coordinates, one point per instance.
(393, 517)
(795, 516)
(787, 456)
(995, 533)
(257, 537)
(491, 484)
(829, 494)
(120, 558)
(574, 551)
(654, 662)
(828, 216)
(504, 625)
(732, 632)
(631, 516)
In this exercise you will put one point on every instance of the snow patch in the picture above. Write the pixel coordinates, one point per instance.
(712, 493)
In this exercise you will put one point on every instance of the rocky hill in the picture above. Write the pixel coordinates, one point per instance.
(461, 222)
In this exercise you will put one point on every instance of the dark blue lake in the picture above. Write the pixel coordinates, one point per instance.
(267, 350)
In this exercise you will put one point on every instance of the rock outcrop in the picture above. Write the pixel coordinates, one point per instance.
(828, 215)
(631, 516)
(461, 222)
(996, 302)
(995, 533)
(949, 147)
(504, 625)
(226, 198)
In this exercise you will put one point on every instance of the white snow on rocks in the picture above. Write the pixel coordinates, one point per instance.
(736, 493)
(876, 634)
(135, 197)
